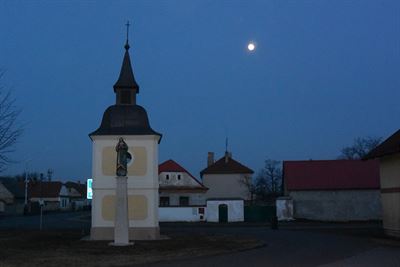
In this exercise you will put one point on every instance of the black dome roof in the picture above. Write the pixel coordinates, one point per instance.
(125, 120)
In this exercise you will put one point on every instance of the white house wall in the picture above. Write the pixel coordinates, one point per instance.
(235, 210)
(195, 199)
(390, 184)
(173, 179)
(180, 214)
(226, 186)
(142, 188)
(339, 205)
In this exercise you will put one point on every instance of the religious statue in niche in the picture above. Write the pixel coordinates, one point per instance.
(122, 157)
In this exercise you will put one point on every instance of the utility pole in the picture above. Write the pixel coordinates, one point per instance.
(26, 188)
(41, 202)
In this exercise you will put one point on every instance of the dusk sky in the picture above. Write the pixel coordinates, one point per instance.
(322, 74)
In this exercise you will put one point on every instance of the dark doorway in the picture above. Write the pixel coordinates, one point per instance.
(223, 213)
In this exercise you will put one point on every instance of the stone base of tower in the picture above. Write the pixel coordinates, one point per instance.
(142, 233)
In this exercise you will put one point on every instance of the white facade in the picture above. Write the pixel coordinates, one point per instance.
(235, 210)
(337, 205)
(178, 187)
(181, 214)
(142, 186)
(227, 185)
(284, 209)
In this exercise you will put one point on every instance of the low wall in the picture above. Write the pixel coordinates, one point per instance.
(181, 214)
(235, 210)
(339, 205)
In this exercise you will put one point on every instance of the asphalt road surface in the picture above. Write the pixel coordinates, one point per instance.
(294, 244)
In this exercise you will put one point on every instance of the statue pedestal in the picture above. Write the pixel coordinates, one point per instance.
(121, 224)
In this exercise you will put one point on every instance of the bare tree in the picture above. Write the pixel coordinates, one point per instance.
(250, 189)
(360, 148)
(269, 180)
(9, 130)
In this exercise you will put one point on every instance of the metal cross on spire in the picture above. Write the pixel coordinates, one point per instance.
(127, 35)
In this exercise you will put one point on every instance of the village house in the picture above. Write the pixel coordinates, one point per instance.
(12, 197)
(226, 178)
(178, 187)
(333, 190)
(77, 196)
(54, 195)
(388, 153)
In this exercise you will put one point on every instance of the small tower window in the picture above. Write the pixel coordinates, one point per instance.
(167, 177)
(179, 176)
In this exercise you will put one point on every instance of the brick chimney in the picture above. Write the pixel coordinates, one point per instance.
(210, 159)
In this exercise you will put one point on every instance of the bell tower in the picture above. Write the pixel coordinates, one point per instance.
(128, 120)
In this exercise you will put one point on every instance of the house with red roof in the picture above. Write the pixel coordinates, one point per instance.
(226, 178)
(77, 195)
(178, 187)
(54, 195)
(388, 154)
(333, 190)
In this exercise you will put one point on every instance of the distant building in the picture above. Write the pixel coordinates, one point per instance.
(12, 197)
(226, 178)
(54, 195)
(77, 196)
(388, 153)
(333, 190)
(178, 187)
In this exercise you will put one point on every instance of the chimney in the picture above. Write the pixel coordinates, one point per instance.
(210, 159)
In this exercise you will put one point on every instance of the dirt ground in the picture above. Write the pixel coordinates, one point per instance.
(65, 248)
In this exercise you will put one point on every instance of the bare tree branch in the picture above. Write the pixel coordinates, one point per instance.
(360, 148)
(9, 129)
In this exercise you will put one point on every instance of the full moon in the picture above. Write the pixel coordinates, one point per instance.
(251, 46)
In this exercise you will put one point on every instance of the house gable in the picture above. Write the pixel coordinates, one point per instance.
(173, 176)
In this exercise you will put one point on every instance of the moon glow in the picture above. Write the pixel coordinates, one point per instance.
(251, 46)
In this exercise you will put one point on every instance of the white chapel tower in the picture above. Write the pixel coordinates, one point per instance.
(128, 120)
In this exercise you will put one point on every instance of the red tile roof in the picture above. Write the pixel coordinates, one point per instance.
(222, 166)
(390, 146)
(44, 189)
(331, 174)
(172, 166)
(81, 188)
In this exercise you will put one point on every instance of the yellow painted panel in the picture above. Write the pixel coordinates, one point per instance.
(137, 207)
(139, 164)
(137, 168)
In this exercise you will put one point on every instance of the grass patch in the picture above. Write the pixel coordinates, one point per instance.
(65, 248)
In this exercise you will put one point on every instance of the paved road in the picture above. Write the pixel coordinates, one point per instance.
(294, 244)
(303, 245)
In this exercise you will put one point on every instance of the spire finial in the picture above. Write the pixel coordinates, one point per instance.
(226, 144)
(127, 35)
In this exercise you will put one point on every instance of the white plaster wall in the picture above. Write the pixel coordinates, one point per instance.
(339, 205)
(195, 199)
(179, 214)
(152, 215)
(235, 210)
(146, 185)
(226, 186)
(390, 171)
(186, 179)
(390, 179)
(284, 209)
